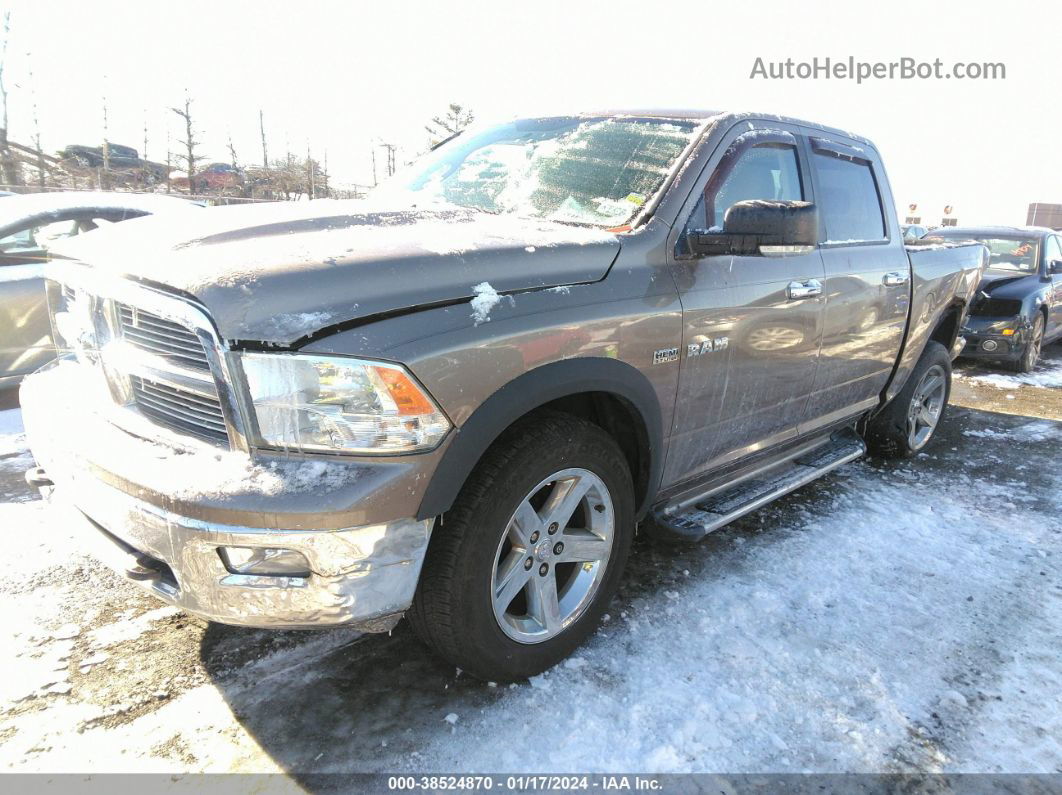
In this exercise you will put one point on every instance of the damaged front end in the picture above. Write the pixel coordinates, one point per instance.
(995, 329)
(143, 435)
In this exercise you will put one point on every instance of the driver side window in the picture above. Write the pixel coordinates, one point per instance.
(763, 171)
(1053, 252)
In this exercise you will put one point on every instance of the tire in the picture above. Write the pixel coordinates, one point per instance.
(488, 534)
(907, 424)
(1031, 354)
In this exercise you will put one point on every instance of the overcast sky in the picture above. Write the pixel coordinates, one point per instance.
(336, 75)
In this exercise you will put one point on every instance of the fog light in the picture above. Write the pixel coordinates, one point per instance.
(265, 561)
(989, 345)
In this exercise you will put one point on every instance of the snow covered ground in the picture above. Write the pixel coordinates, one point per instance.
(892, 617)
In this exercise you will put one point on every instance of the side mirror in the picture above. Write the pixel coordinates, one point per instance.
(757, 225)
(1054, 267)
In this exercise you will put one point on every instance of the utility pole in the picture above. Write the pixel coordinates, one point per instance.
(374, 182)
(261, 128)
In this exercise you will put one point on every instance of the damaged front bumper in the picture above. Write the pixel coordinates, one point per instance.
(156, 528)
(998, 339)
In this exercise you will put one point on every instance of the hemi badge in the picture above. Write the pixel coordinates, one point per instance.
(666, 355)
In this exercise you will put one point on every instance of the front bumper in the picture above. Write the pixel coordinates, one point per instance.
(167, 539)
(985, 339)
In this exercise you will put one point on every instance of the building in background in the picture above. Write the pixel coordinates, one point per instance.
(1041, 214)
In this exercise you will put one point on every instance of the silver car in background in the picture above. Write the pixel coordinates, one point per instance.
(30, 225)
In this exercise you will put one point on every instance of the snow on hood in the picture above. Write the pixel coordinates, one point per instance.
(275, 273)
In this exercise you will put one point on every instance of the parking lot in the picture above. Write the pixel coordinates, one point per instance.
(890, 617)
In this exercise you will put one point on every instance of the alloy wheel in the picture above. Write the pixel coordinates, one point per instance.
(927, 404)
(553, 554)
(1036, 341)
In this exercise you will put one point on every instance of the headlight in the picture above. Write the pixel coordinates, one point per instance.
(336, 404)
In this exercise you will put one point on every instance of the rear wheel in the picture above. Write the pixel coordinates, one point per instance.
(905, 426)
(524, 564)
(1031, 355)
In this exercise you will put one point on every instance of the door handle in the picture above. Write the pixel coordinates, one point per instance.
(894, 279)
(806, 289)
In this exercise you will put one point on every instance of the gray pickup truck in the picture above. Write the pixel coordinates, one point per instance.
(457, 400)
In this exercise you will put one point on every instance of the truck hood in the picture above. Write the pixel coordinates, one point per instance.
(1008, 284)
(277, 273)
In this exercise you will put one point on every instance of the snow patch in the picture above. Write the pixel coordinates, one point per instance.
(486, 298)
(1047, 374)
(302, 323)
(1030, 432)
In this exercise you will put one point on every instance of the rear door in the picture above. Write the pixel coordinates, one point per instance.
(867, 287)
(751, 324)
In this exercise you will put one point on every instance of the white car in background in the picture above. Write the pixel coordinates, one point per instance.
(30, 224)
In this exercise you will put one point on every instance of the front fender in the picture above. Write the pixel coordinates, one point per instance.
(528, 392)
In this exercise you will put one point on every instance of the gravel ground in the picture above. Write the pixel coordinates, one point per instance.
(889, 618)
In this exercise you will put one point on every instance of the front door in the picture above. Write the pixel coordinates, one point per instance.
(751, 324)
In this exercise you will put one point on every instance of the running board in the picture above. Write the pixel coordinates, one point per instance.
(722, 508)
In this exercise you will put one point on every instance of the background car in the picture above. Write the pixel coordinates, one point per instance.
(214, 178)
(29, 225)
(1019, 302)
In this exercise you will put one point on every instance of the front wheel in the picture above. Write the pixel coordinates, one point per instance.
(522, 567)
(1031, 355)
(905, 426)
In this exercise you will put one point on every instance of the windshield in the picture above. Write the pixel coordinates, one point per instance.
(594, 171)
(1012, 253)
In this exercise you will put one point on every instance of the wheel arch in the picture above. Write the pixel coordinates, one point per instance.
(608, 392)
(948, 325)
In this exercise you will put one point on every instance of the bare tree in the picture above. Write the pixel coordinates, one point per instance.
(189, 158)
(456, 118)
(232, 155)
(390, 157)
(9, 168)
(105, 177)
(325, 190)
(169, 161)
(37, 134)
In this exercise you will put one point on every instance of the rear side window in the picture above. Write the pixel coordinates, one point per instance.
(848, 200)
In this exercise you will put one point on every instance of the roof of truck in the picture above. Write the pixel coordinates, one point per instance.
(694, 114)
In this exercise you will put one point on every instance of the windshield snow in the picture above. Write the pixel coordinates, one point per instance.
(594, 171)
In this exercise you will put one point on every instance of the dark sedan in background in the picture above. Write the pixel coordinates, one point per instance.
(29, 225)
(1018, 308)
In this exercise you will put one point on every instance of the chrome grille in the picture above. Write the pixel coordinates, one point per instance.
(161, 337)
(180, 409)
(157, 358)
